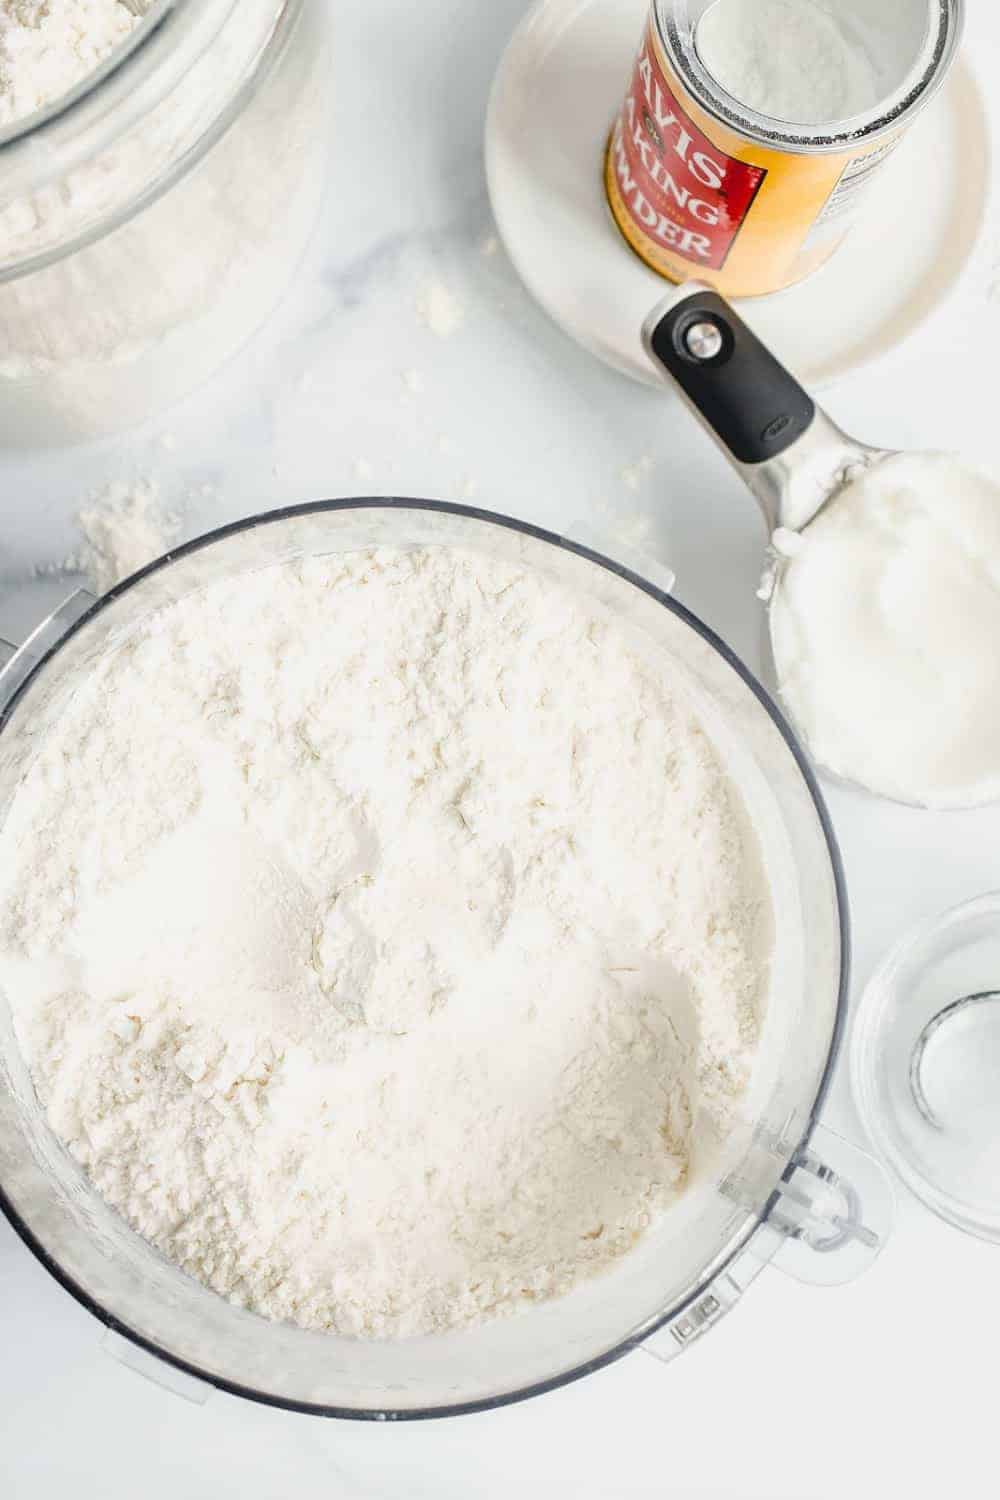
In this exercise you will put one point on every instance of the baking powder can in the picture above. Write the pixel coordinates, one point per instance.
(700, 185)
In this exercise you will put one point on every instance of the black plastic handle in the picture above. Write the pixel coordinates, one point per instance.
(753, 405)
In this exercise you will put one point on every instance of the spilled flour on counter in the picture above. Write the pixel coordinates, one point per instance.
(440, 310)
(123, 528)
(386, 939)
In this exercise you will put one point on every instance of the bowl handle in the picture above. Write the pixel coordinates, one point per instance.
(833, 1213)
(828, 1220)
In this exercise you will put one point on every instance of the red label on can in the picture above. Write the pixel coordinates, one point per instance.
(678, 188)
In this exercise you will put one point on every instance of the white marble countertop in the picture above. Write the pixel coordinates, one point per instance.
(882, 1386)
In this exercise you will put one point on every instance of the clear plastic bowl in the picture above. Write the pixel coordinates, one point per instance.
(925, 1064)
(688, 1269)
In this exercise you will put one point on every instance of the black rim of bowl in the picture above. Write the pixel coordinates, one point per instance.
(617, 1351)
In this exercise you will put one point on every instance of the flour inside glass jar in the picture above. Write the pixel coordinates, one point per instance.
(140, 243)
(47, 47)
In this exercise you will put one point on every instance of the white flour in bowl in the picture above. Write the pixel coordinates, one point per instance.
(385, 938)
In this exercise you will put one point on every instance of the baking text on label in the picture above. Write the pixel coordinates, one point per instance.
(676, 186)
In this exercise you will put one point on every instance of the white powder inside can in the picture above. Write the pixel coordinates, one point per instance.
(788, 59)
(386, 938)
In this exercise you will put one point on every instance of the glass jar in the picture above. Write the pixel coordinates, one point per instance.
(151, 219)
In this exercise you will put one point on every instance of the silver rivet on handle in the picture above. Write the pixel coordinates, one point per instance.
(703, 340)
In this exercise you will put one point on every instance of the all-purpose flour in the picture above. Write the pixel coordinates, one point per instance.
(47, 47)
(385, 937)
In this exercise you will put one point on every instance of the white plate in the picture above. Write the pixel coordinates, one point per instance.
(556, 92)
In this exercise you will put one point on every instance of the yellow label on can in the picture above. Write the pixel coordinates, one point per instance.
(694, 198)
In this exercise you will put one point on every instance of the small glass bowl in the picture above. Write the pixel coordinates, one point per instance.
(925, 1064)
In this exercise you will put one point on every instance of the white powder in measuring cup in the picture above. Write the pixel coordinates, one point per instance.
(788, 59)
(386, 939)
(885, 625)
(47, 47)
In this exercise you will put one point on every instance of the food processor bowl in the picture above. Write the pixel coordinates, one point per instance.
(780, 1191)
